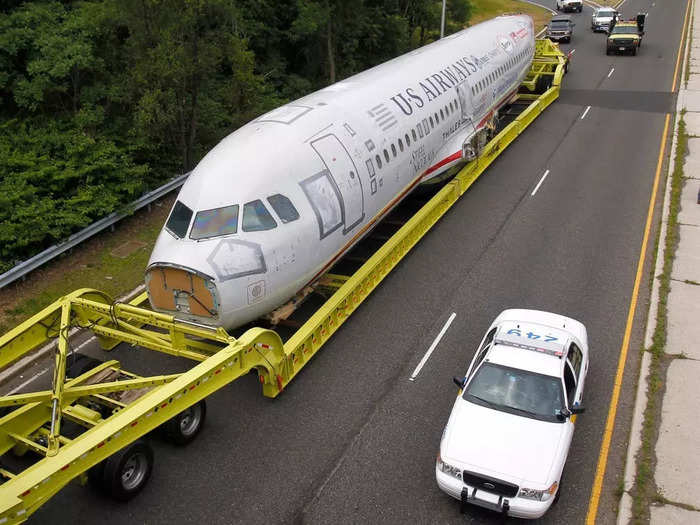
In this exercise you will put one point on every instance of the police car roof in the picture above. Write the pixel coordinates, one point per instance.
(511, 356)
(530, 346)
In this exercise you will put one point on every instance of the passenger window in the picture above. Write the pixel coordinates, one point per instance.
(569, 383)
(393, 150)
(401, 145)
(179, 220)
(408, 141)
(420, 130)
(283, 207)
(379, 161)
(413, 132)
(256, 217)
(437, 120)
(386, 156)
(214, 223)
(483, 349)
(575, 357)
(442, 115)
(432, 123)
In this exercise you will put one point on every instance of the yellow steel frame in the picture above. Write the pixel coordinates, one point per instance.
(220, 357)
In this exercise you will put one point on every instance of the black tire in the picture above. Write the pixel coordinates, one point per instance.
(126, 472)
(544, 82)
(186, 426)
(634, 51)
(580, 9)
(607, 51)
(80, 364)
(96, 476)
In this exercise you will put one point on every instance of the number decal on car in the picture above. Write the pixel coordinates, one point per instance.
(531, 335)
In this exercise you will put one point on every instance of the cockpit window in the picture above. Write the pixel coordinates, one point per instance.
(213, 223)
(179, 220)
(283, 208)
(256, 217)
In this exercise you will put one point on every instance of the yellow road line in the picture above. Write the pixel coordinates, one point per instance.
(612, 411)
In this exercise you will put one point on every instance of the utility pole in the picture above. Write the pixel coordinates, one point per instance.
(442, 20)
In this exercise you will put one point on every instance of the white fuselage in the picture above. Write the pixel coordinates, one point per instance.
(342, 157)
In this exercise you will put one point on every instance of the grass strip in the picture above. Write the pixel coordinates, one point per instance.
(486, 9)
(644, 491)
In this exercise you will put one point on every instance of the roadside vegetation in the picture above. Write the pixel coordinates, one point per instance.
(101, 100)
(97, 106)
(645, 491)
(485, 9)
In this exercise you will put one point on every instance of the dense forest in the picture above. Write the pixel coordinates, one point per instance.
(102, 100)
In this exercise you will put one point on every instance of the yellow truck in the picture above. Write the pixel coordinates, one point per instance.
(625, 36)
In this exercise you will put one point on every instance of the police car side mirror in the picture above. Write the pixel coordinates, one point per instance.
(578, 409)
(459, 381)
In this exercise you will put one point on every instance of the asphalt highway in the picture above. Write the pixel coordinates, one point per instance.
(352, 440)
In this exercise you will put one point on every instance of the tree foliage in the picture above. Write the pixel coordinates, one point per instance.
(101, 100)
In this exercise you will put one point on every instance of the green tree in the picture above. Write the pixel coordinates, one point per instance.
(191, 78)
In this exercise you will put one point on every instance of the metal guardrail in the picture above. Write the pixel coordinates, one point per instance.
(20, 270)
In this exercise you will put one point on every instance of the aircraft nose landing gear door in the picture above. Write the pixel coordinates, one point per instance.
(469, 150)
(346, 177)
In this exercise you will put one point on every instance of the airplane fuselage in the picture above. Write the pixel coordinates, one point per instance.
(272, 206)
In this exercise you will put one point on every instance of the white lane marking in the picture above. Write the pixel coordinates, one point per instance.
(585, 112)
(18, 388)
(611, 72)
(572, 52)
(618, 6)
(539, 183)
(432, 347)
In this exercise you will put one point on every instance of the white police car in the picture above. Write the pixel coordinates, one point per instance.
(508, 436)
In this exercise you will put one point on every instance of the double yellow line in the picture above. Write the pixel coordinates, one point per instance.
(612, 411)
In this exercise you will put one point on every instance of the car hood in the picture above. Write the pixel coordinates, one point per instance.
(502, 445)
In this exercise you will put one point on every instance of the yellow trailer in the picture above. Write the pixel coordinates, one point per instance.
(108, 409)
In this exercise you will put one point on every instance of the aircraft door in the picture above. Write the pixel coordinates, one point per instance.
(346, 177)
(465, 100)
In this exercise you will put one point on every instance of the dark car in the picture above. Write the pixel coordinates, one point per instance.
(560, 28)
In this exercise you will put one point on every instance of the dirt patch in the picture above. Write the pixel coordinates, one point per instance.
(127, 248)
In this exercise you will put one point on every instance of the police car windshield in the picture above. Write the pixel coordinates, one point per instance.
(515, 391)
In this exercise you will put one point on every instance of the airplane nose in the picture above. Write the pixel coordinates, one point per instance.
(180, 290)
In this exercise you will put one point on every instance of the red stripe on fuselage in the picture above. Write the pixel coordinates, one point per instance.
(451, 158)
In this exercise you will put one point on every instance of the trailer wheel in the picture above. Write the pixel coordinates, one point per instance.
(184, 427)
(96, 476)
(126, 472)
(544, 82)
